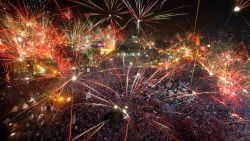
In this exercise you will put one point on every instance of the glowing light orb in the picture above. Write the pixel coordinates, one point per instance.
(42, 70)
(20, 59)
(236, 9)
(74, 78)
(19, 39)
(68, 99)
(60, 99)
(55, 72)
(124, 111)
(115, 107)
(28, 24)
(13, 134)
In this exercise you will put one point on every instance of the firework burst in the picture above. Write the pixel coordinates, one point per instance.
(112, 13)
(147, 12)
(241, 4)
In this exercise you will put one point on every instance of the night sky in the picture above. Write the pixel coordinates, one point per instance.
(213, 15)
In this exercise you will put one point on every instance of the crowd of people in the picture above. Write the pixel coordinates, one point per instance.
(150, 109)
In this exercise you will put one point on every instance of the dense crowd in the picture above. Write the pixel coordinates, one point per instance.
(169, 110)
